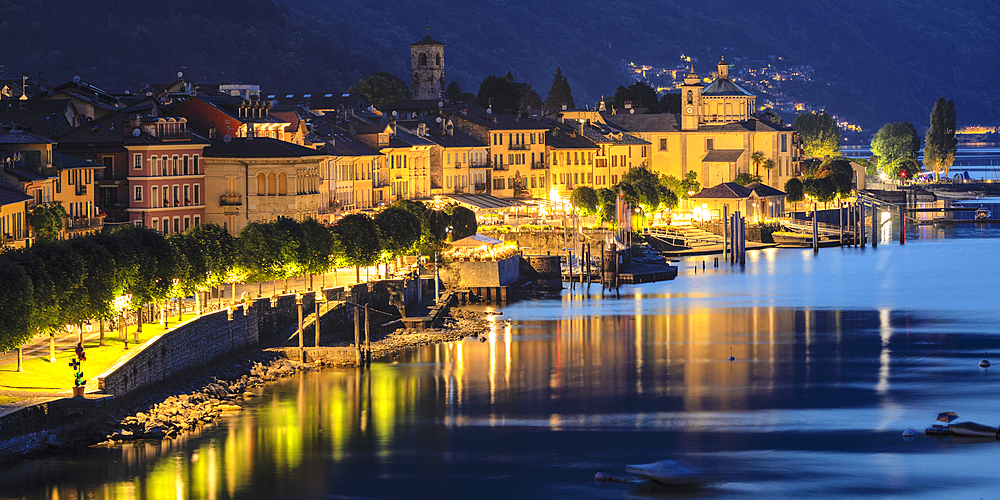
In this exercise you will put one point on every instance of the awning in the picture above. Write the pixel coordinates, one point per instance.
(723, 156)
(484, 201)
(475, 241)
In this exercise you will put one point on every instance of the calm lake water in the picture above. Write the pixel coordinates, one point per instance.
(836, 354)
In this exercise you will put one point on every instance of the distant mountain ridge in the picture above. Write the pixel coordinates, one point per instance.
(884, 60)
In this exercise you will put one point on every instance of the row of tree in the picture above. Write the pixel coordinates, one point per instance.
(895, 147)
(68, 282)
(640, 188)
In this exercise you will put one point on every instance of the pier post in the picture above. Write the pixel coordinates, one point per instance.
(840, 221)
(733, 236)
(725, 231)
(862, 230)
(902, 226)
(590, 274)
(357, 335)
(743, 241)
(815, 227)
(316, 330)
(570, 266)
(302, 348)
(368, 336)
(875, 225)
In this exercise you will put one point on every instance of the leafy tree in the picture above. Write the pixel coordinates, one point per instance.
(670, 102)
(895, 141)
(668, 199)
(260, 254)
(794, 190)
(399, 230)
(757, 158)
(16, 304)
(903, 169)
(46, 220)
(940, 144)
(640, 94)
(294, 251)
(98, 282)
(820, 188)
(67, 270)
(439, 221)
(681, 188)
(316, 248)
(453, 91)
(771, 116)
(45, 307)
(382, 88)
(606, 205)
(359, 240)
(463, 223)
(744, 178)
(529, 99)
(218, 262)
(559, 92)
(820, 134)
(499, 92)
(585, 198)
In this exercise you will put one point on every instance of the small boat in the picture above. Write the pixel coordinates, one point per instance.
(983, 214)
(666, 472)
(973, 429)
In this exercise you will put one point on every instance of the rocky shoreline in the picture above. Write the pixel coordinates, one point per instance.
(190, 405)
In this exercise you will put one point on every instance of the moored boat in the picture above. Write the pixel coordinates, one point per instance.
(666, 472)
(973, 429)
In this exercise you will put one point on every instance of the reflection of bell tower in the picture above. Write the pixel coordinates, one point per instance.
(427, 68)
(691, 101)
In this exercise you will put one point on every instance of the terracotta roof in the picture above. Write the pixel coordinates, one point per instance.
(664, 122)
(427, 40)
(722, 156)
(62, 160)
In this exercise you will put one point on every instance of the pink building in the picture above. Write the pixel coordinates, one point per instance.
(166, 178)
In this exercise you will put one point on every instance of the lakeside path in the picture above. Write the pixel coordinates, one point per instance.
(41, 382)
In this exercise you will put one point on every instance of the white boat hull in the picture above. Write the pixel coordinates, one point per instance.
(973, 429)
(666, 472)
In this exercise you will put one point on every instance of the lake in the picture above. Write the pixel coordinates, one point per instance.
(836, 354)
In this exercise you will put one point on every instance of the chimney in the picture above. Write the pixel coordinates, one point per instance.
(565, 105)
(465, 111)
(628, 104)
(250, 131)
(351, 130)
(211, 131)
(134, 121)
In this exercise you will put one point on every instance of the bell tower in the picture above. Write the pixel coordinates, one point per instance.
(691, 101)
(427, 68)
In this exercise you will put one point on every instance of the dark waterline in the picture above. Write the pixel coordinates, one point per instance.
(836, 354)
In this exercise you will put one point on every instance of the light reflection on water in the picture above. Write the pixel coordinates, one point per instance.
(835, 355)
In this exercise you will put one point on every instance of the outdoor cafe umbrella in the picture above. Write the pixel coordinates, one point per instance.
(947, 417)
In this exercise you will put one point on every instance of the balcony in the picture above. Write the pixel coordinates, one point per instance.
(230, 200)
(539, 165)
(79, 224)
(480, 187)
(519, 147)
(81, 189)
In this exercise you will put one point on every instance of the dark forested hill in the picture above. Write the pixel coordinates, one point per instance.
(879, 60)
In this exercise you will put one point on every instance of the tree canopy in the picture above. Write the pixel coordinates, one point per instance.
(504, 93)
(895, 141)
(640, 94)
(47, 220)
(559, 92)
(585, 198)
(940, 144)
(382, 88)
(820, 134)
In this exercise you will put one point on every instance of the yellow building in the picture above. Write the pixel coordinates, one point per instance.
(715, 134)
(354, 178)
(408, 158)
(13, 218)
(571, 162)
(458, 161)
(260, 179)
(516, 151)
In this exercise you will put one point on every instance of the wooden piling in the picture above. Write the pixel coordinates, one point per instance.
(815, 228)
(902, 226)
(725, 232)
(840, 221)
(368, 337)
(874, 226)
(862, 230)
(357, 335)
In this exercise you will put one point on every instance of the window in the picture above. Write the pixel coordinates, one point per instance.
(138, 193)
(177, 198)
(109, 161)
(186, 166)
(690, 97)
(448, 158)
(784, 143)
(187, 195)
(138, 162)
(282, 184)
(177, 224)
(197, 220)
(533, 182)
(156, 224)
(709, 144)
(590, 178)
(187, 222)
(510, 183)
(663, 144)
(195, 163)
(197, 195)
(261, 184)
(272, 184)
(155, 201)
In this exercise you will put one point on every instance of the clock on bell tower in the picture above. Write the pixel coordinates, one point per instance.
(691, 101)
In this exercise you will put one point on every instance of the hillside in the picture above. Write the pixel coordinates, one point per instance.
(879, 60)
